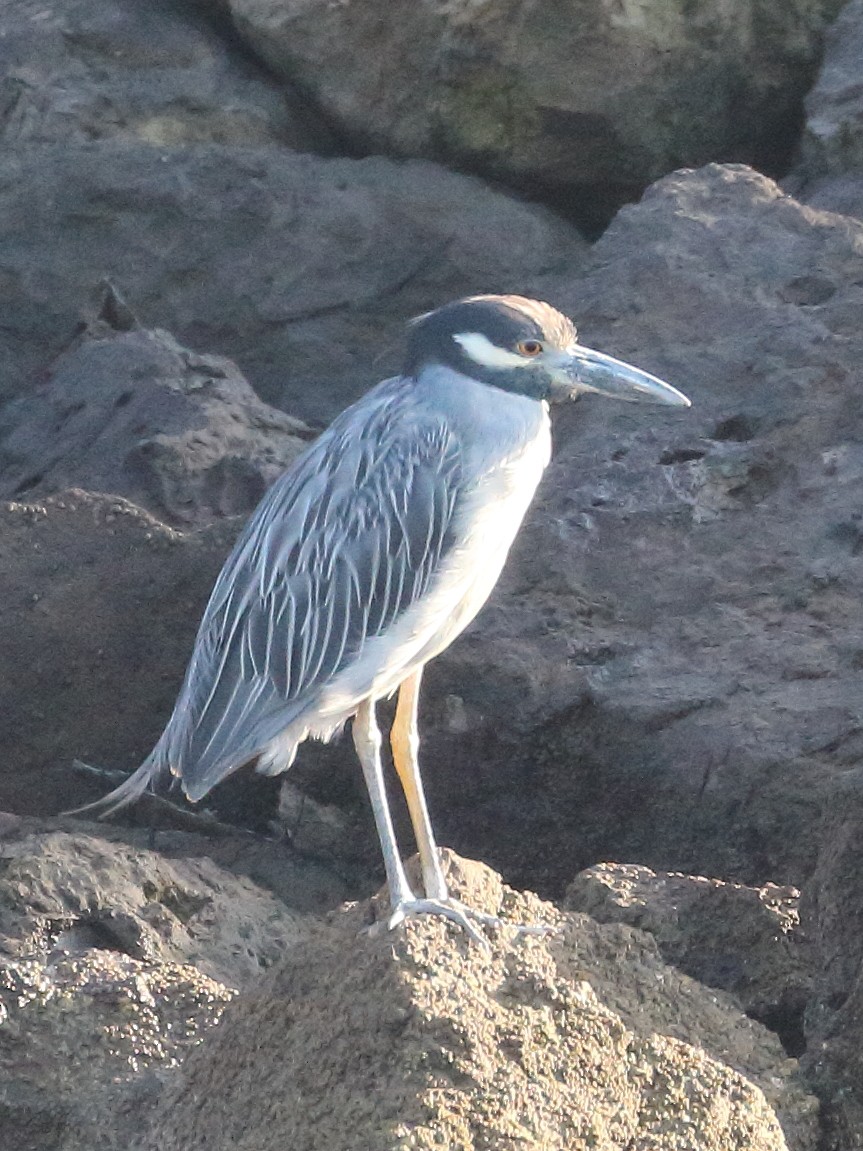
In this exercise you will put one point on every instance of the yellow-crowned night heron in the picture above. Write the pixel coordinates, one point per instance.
(370, 555)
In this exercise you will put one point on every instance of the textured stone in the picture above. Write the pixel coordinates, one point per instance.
(829, 173)
(669, 670)
(134, 414)
(745, 940)
(421, 1039)
(303, 270)
(84, 70)
(832, 914)
(587, 102)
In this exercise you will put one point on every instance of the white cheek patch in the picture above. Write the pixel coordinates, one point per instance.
(482, 351)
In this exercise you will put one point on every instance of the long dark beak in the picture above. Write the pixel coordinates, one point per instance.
(583, 370)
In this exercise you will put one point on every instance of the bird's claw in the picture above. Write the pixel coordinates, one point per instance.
(449, 909)
(457, 912)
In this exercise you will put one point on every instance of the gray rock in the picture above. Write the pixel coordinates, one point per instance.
(114, 963)
(419, 1038)
(302, 269)
(833, 139)
(135, 414)
(84, 1040)
(745, 940)
(83, 70)
(829, 169)
(669, 670)
(102, 602)
(63, 892)
(586, 102)
(832, 913)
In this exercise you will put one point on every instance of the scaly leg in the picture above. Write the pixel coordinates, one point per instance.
(405, 741)
(367, 741)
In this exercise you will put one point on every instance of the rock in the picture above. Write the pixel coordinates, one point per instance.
(302, 269)
(588, 103)
(136, 415)
(744, 940)
(420, 1038)
(316, 828)
(832, 913)
(829, 172)
(62, 892)
(669, 670)
(101, 605)
(82, 70)
(83, 1041)
(114, 963)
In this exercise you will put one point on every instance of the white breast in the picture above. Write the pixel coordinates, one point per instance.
(487, 523)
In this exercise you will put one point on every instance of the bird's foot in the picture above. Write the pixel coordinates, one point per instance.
(466, 917)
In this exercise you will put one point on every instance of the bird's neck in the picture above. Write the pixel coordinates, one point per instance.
(489, 422)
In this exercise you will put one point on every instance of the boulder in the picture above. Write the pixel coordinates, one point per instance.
(420, 1038)
(669, 670)
(302, 269)
(829, 171)
(832, 914)
(114, 962)
(582, 104)
(101, 605)
(134, 414)
(83, 70)
(745, 940)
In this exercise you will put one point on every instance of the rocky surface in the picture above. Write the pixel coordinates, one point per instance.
(526, 92)
(74, 892)
(80, 70)
(832, 910)
(134, 414)
(426, 1040)
(669, 673)
(829, 172)
(300, 268)
(101, 607)
(114, 962)
(118, 964)
(745, 940)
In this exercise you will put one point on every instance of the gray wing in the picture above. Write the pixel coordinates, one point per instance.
(339, 547)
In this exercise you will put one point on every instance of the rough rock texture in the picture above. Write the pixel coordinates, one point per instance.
(83, 1039)
(84, 70)
(832, 913)
(71, 892)
(525, 90)
(302, 269)
(829, 173)
(745, 940)
(421, 1039)
(669, 673)
(134, 414)
(101, 605)
(579, 718)
(114, 962)
(670, 669)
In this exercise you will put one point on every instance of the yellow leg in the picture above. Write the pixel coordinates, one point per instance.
(404, 738)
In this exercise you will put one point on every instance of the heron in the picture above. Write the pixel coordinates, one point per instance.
(371, 553)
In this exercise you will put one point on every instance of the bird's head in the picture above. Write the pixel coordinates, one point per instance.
(526, 346)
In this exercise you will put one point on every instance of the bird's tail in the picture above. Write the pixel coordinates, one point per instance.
(129, 791)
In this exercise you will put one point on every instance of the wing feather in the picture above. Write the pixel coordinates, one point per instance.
(340, 546)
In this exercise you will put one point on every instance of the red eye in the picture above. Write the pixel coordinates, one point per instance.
(529, 347)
